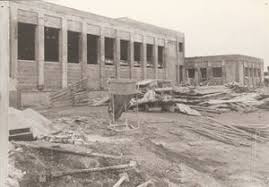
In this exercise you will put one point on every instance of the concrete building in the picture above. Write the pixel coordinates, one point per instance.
(53, 46)
(221, 69)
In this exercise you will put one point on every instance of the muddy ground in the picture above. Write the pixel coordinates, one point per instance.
(164, 152)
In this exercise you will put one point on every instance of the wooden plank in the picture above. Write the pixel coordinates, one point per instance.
(4, 91)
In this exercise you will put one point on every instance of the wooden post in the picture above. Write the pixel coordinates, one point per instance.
(165, 59)
(40, 47)
(63, 51)
(4, 90)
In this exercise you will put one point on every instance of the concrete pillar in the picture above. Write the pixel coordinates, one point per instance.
(117, 55)
(240, 72)
(144, 58)
(131, 56)
(155, 57)
(40, 49)
(224, 78)
(14, 41)
(101, 59)
(63, 44)
(165, 59)
(84, 50)
(4, 89)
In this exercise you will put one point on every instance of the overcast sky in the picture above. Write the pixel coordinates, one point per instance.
(211, 27)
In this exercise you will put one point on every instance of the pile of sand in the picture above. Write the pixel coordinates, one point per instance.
(29, 118)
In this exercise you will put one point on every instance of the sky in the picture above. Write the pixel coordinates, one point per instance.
(211, 27)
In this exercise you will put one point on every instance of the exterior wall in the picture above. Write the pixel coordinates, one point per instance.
(52, 75)
(39, 75)
(27, 75)
(233, 69)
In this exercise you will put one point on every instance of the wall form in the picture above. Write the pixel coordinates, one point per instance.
(54, 75)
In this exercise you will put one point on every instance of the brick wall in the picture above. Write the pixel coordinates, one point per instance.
(52, 75)
(27, 75)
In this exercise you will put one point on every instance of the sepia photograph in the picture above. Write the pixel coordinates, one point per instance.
(133, 93)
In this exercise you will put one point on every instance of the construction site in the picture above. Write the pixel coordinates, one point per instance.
(88, 100)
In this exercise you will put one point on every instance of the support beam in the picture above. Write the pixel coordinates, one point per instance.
(84, 50)
(63, 51)
(131, 55)
(155, 58)
(101, 59)
(14, 41)
(40, 47)
(4, 90)
(144, 58)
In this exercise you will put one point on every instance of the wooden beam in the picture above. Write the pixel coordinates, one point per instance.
(4, 91)
(117, 55)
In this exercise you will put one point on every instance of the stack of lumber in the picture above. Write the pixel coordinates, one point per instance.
(74, 95)
(228, 133)
(211, 99)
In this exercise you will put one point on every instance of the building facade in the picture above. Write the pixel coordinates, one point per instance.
(53, 46)
(221, 69)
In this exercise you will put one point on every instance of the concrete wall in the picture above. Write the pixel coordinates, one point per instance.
(48, 76)
(233, 69)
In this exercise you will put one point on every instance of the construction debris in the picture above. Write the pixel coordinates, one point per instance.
(228, 133)
(74, 95)
(123, 177)
(131, 165)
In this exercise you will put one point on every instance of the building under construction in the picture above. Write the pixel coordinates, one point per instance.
(53, 46)
(221, 69)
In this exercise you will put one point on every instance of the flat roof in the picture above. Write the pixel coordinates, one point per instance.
(223, 57)
(113, 21)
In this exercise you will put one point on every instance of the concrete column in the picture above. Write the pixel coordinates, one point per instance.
(4, 89)
(224, 78)
(144, 58)
(117, 55)
(131, 56)
(40, 49)
(165, 59)
(14, 41)
(241, 74)
(63, 44)
(101, 59)
(155, 57)
(84, 50)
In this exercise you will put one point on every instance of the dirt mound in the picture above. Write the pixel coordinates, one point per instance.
(29, 118)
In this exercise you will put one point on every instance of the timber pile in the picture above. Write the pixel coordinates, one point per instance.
(229, 133)
(74, 95)
(212, 99)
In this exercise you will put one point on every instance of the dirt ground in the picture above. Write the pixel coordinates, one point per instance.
(164, 152)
